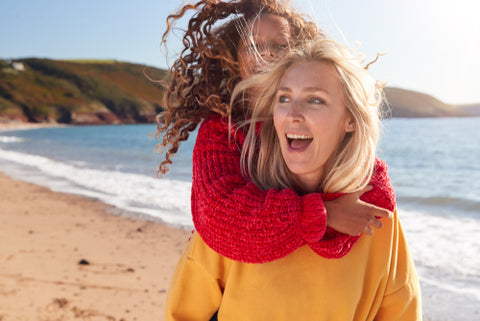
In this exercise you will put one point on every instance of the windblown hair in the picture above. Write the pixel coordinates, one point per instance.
(203, 77)
(351, 167)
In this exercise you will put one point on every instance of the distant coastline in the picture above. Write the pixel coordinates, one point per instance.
(413, 104)
(89, 92)
(19, 125)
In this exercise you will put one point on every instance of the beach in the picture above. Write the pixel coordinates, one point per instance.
(88, 232)
(66, 257)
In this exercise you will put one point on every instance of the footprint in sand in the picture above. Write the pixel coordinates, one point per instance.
(104, 268)
(60, 309)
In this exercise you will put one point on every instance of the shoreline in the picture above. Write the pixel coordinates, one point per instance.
(68, 257)
(18, 125)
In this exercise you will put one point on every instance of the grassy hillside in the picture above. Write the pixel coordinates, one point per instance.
(79, 92)
(407, 103)
(109, 92)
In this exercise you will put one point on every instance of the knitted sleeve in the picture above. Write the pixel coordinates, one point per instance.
(335, 244)
(244, 223)
(236, 218)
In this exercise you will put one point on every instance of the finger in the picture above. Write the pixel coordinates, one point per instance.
(368, 230)
(380, 212)
(375, 223)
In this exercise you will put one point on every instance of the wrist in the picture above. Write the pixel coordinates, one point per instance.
(313, 222)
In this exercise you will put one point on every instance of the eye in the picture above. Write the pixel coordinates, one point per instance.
(316, 100)
(279, 47)
(251, 48)
(283, 99)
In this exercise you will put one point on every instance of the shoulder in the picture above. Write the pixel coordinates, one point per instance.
(382, 193)
(218, 128)
(380, 166)
(213, 123)
(380, 174)
(199, 252)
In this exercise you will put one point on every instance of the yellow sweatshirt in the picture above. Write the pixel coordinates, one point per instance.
(375, 281)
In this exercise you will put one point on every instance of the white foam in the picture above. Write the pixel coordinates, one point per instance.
(446, 250)
(166, 199)
(10, 139)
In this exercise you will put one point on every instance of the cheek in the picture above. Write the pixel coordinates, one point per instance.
(278, 118)
(247, 65)
(242, 59)
(242, 64)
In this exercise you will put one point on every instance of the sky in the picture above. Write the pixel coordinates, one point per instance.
(430, 46)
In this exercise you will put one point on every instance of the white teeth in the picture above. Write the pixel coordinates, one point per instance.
(295, 136)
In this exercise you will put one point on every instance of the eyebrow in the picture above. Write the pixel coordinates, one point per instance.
(308, 89)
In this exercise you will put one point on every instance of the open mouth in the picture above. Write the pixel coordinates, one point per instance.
(298, 142)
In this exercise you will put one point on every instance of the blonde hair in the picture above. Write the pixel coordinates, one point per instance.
(351, 167)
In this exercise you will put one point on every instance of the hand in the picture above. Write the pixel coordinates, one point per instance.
(350, 215)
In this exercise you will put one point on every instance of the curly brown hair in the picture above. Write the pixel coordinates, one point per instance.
(203, 77)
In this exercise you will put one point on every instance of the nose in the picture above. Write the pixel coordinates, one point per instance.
(263, 59)
(295, 112)
(267, 53)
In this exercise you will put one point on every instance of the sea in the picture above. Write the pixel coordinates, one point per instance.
(434, 166)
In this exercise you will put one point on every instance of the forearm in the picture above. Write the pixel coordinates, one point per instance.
(244, 223)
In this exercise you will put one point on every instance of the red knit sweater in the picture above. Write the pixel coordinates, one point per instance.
(244, 223)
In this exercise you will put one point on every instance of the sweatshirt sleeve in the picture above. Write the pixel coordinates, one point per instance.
(194, 293)
(236, 218)
(402, 299)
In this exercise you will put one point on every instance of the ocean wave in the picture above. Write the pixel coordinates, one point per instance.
(446, 252)
(446, 204)
(446, 248)
(164, 199)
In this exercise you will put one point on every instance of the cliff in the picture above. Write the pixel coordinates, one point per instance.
(79, 92)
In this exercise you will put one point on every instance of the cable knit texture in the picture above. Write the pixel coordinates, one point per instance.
(244, 223)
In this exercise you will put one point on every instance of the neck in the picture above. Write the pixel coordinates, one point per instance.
(308, 183)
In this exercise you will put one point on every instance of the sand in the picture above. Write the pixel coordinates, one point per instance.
(65, 257)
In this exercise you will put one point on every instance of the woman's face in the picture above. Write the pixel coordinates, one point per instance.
(265, 38)
(310, 119)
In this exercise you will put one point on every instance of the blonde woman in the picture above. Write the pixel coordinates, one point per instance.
(314, 128)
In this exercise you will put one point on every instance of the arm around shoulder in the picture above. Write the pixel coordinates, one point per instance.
(236, 218)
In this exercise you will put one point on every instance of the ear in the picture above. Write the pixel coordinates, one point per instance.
(349, 124)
